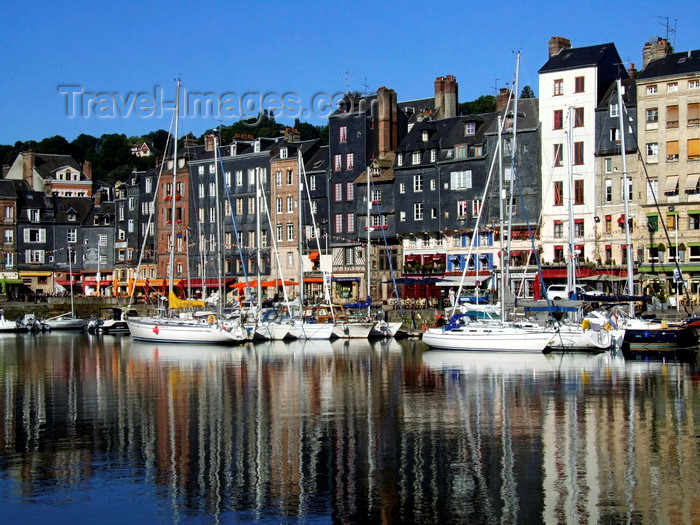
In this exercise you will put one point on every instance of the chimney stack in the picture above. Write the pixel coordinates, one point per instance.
(387, 121)
(5, 170)
(446, 97)
(504, 95)
(209, 143)
(87, 169)
(292, 135)
(28, 167)
(654, 48)
(558, 44)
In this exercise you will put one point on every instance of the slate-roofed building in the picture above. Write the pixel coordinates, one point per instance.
(611, 244)
(53, 174)
(572, 84)
(668, 105)
(70, 215)
(35, 241)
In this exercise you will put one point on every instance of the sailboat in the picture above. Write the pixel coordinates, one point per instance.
(201, 327)
(68, 320)
(305, 326)
(595, 331)
(464, 331)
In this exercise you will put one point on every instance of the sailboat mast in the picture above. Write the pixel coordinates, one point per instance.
(571, 262)
(501, 198)
(300, 243)
(171, 268)
(70, 281)
(218, 222)
(625, 197)
(258, 229)
(369, 245)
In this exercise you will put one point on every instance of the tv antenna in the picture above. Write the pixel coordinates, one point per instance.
(668, 27)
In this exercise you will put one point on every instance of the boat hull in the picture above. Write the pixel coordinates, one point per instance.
(311, 330)
(488, 339)
(385, 329)
(352, 330)
(181, 332)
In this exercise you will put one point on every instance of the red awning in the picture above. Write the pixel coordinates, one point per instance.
(314, 255)
(209, 283)
(68, 283)
(621, 219)
(93, 282)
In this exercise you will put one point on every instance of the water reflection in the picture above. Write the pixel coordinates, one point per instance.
(342, 431)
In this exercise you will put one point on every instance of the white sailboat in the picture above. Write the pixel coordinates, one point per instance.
(464, 331)
(203, 327)
(68, 320)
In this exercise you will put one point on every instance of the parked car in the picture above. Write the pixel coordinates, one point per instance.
(562, 291)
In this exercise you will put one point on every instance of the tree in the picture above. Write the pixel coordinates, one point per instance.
(84, 145)
(483, 104)
(306, 131)
(527, 92)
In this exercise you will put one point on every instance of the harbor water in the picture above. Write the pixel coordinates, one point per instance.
(100, 429)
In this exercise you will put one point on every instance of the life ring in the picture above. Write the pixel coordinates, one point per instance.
(211, 318)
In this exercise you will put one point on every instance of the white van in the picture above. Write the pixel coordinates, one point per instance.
(561, 291)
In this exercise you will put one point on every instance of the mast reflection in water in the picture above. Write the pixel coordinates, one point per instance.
(100, 428)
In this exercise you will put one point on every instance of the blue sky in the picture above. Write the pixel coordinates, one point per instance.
(123, 49)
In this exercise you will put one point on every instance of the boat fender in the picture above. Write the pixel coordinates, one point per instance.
(211, 319)
(608, 326)
(585, 324)
(664, 325)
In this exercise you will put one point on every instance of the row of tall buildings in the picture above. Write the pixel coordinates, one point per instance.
(412, 185)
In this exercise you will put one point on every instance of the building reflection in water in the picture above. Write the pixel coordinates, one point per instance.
(348, 431)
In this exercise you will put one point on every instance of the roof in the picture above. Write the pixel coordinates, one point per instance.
(319, 162)
(672, 64)
(7, 189)
(46, 164)
(385, 166)
(629, 94)
(578, 57)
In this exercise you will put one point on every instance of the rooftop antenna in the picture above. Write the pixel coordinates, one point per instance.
(366, 87)
(495, 86)
(347, 81)
(668, 27)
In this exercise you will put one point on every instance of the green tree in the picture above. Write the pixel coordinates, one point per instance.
(527, 92)
(483, 104)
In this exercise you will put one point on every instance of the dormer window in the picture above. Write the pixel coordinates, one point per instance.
(424, 135)
(256, 146)
(399, 159)
(72, 217)
(34, 216)
(469, 128)
(433, 155)
(461, 152)
(283, 153)
(415, 157)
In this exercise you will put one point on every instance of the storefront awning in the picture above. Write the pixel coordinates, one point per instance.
(691, 183)
(34, 274)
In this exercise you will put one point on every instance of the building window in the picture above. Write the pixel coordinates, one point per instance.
(476, 207)
(338, 193)
(402, 216)
(338, 223)
(343, 134)
(290, 204)
(558, 119)
(418, 211)
(693, 149)
(558, 154)
(578, 153)
(72, 236)
(608, 190)
(558, 193)
(417, 183)
(578, 228)
(579, 84)
(558, 87)
(34, 215)
(350, 161)
(652, 151)
(461, 180)
(350, 222)
(337, 162)
(278, 232)
(433, 155)
(694, 114)
(578, 191)
(469, 128)
(578, 117)
(652, 115)
(350, 191)
(399, 159)
(693, 84)
(462, 209)
(415, 157)
(615, 135)
(671, 116)
(614, 110)
(461, 152)
(558, 229)
(290, 177)
(278, 206)
(672, 87)
(608, 165)
(652, 90)
(672, 151)
(402, 187)
(290, 232)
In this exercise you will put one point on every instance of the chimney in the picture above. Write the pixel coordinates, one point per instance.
(292, 135)
(655, 48)
(632, 71)
(28, 167)
(209, 143)
(504, 95)
(446, 96)
(387, 122)
(439, 97)
(87, 169)
(5, 170)
(557, 44)
(97, 198)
